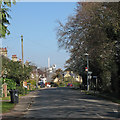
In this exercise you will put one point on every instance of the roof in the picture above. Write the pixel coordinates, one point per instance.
(20, 60)
(14, 56)
(3, 49)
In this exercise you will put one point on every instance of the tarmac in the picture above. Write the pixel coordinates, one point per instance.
(22, 108)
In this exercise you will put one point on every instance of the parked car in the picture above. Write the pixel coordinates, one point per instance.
(41, 84)
(69, 85)
(53, 84)
(48, 85)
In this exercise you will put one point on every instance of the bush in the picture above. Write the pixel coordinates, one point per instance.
(61, 85)
(53, 84)
(11, 84)
(33, 82)
(21, 90)
(77, 84)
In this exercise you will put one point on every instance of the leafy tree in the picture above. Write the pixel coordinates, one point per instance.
(11, 84)
(15, 71)
(95, 29)
(58, 74)
(4, 16)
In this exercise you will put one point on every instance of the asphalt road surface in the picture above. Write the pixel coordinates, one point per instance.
(70, 103)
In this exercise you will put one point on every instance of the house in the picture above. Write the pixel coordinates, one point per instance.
(39, 75)
(56, 80)
(42, 75)
(27, 63)
(49, 72)
(67, 74)
(76, 77)
(3, 51)
(14, 58)
(20, 60)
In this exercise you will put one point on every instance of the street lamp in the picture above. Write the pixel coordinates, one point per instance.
(22, 50)
(86, 54)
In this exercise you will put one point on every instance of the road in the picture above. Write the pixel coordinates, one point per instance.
(69, 103)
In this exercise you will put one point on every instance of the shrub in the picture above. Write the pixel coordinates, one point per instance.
(21, 90)
(61, 85)
(11, 84)
(77, 84)
(33, 82)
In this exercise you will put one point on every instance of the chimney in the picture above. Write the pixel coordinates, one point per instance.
(14, 58)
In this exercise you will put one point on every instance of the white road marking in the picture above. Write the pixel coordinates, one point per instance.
(115, 110)
(99, 115)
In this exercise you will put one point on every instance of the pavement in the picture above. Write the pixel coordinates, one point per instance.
(62, 104)
(21, 108)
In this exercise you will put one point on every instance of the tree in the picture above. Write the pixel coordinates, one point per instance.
(4, 16)
(95, 29)
(10, 83)
(15, 70)
(58, 74)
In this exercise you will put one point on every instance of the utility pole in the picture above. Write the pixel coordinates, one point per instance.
(22, 50)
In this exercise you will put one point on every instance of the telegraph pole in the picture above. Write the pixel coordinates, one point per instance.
(22, 50)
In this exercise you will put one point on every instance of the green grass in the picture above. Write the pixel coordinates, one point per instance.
(107, 97)
(6, 98)
(21, 95)
(116, 101)
(104, 96)
(7, 106)
(62, 85)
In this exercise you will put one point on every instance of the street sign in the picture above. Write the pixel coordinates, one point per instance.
(89, 77)
(94, 76)
(89, 72)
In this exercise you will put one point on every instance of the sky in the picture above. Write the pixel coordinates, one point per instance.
(37, 22)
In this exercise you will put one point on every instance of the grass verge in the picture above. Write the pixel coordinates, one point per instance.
(7, 106)
(108, 97)
(6, 98)
(104, 96)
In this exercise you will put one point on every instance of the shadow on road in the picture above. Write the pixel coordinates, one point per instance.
(68, 104)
